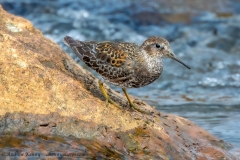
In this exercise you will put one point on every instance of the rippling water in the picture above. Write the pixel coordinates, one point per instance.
(206, 37)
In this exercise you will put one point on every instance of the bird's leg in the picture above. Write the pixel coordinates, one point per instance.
(131, 103)
(129, 100)
(108, 99)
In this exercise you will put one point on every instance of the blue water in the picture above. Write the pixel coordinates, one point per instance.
(206, 40)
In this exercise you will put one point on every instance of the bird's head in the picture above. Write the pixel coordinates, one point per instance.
(159, 47)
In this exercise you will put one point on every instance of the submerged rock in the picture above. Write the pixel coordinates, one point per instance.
(43, 92)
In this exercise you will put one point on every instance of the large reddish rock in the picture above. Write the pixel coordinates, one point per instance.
(44, 92)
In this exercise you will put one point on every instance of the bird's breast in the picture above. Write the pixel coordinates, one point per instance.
(147, 71)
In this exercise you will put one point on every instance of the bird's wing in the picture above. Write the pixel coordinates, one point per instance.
(107, 58)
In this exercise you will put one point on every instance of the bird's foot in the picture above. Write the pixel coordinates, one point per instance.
(107, 102)
(139, 109)
(133, 106)
(108, 99)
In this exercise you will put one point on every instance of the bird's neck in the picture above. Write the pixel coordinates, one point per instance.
(154, 64)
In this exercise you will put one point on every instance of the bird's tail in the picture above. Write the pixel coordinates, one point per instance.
(69, 41)
(77, 46)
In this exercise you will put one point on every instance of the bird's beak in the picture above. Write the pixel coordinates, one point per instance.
(173, 56)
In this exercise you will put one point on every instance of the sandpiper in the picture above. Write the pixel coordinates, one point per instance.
(124, 64)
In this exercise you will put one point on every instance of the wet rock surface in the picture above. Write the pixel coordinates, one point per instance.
(50, 105)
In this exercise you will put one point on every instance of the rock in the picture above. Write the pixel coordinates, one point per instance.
(43, 92)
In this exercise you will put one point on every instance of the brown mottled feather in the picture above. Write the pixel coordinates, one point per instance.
(111, 53)
(125, 64)
(107, 58)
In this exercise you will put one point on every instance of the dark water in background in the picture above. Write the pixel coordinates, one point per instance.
(205, 36)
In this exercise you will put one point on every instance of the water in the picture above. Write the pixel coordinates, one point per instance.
(206, 37)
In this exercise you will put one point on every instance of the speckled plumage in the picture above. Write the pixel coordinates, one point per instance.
(124, 64)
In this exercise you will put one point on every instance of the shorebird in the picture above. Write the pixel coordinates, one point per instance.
(124, 64)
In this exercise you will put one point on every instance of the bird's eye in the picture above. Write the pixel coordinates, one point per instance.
(158, 45)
